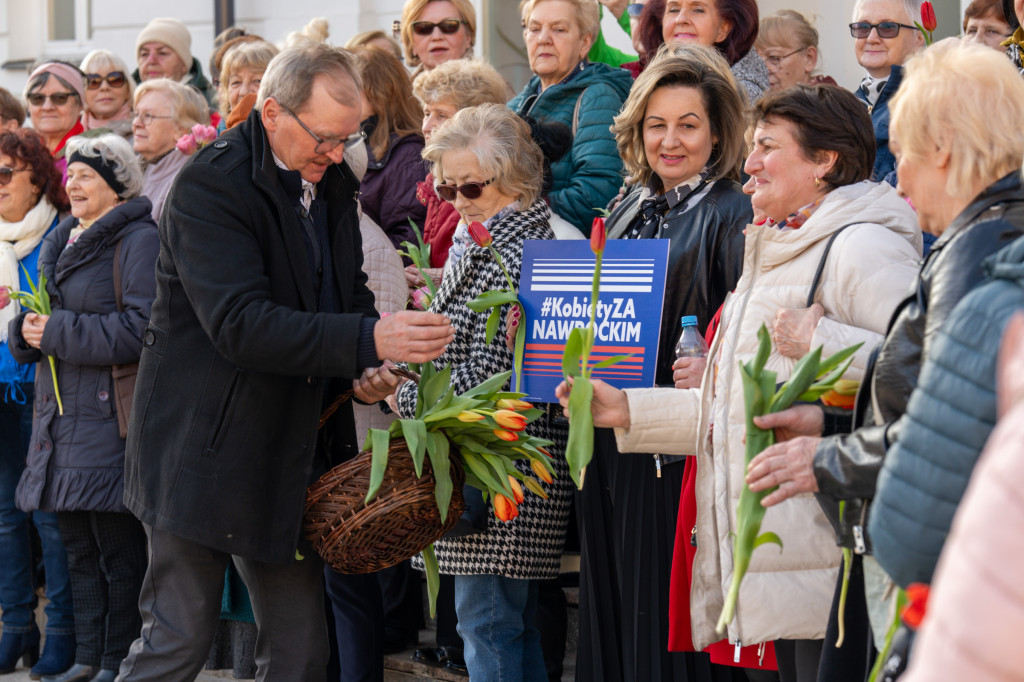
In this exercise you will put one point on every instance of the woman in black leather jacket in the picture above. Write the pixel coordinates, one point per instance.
(968, 191)
(680, 135)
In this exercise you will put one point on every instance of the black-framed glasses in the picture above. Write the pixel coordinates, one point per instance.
(7, 174)
(325, 145)
(59, 99)
(886, 29)
(115, 79)
(470, 190)
(775, 60)
(447, 26)
(147, 118)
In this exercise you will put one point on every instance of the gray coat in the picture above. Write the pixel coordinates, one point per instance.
(76, 461)
(949, 418)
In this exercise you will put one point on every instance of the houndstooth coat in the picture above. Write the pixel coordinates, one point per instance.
(529, 546)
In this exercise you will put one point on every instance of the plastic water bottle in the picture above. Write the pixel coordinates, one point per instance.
(691, 343)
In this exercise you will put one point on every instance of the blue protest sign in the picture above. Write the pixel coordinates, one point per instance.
(555, 289)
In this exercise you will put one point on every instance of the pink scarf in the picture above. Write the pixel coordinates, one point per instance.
(91, 122)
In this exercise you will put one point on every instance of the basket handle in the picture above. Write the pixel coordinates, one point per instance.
(340, 400)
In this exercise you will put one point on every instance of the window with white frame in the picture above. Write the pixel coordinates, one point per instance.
(67, 24)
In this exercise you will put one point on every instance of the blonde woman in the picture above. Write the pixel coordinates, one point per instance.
(109, 93)
(436, 31)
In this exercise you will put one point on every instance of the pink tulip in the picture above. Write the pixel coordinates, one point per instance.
(204, 134)
(187, 144)
(5, 297)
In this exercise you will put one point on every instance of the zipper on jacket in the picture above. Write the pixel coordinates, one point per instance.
(657, 464)
(693, 536)
(859, 546)
(736, 651)
(760, 653)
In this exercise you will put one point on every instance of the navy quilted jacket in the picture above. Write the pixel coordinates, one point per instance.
(589, 175)
(950, 416)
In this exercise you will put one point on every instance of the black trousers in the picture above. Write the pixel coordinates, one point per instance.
(180, 606)
(106, 563)
(358, 624)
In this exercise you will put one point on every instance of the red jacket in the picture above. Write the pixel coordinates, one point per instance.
(441, 221)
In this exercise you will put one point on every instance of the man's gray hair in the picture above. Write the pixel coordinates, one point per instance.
(116, 152)
(290, 75)
(911, 7)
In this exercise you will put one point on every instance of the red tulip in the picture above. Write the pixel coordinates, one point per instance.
(480, 234)
(928, 19)
(917, 605)
(517, 490)
(513, 421)
(504, 508)
(598, 236)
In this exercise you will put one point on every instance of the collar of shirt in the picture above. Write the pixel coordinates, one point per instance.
(872, 87)
(305, 185)
(679, 193)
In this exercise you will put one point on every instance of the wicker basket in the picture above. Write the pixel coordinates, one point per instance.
(398, 523)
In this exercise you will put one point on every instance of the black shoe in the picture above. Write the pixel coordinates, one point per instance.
(79, 672)
(434, 657)
(397, 641)
(459, 668)
(15, 645)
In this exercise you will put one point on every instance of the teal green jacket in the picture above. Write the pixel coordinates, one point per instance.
(588, 176)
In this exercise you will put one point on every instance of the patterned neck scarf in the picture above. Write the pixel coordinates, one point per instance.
(653, 207)
(461, 239)
(1014, 49)
(796, 220)
(872, 87)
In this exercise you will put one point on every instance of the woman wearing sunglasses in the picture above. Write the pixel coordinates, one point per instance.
(56, 96)
(486, 164)
(436, 31)
(108, 93)
(31, 199)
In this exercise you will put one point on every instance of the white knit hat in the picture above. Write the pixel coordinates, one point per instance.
(172, 33)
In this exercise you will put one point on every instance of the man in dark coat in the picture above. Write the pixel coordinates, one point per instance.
(262, 316)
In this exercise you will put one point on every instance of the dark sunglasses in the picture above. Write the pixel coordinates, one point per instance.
(7, 174)
(59, 99)
(470, 190)
(425, 28)
(115, 79)
(886, 29)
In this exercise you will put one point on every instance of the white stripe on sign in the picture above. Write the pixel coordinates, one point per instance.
(610, 271)
(579, 287)
(589, 279)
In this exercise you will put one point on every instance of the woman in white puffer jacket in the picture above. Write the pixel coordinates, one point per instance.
(813, 150)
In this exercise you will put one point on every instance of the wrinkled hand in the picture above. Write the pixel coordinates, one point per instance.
(688, 372)
(415, 280)
(793, 422)
(5, 297)
(512, 319)
(616, 7)
(32, 329)
(412, 336)
(376, 383)
(610, 407)
(789, 465)
(794, 328)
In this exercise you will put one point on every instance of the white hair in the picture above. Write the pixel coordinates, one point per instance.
(911, 7)
(117, 153)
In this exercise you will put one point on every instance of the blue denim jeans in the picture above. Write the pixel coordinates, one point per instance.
(17, 583)
(496, 624)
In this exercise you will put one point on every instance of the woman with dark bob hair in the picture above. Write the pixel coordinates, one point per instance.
(812, 155)
(31, 201)
(730, 26)
(680, 135)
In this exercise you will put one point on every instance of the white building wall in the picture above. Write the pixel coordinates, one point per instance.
(116, 23)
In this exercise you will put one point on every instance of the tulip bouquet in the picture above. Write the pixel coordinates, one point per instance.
(39, 302)
(486, 427)
(494, 299)
(576, 368)
(928, 22)
(197, 138)
(812, 377)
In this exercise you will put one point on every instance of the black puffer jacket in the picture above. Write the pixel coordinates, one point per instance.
(846, 466)
(704, 260)
(76, 460)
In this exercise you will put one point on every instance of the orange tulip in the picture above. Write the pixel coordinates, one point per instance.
(506, 435)
(535, 487)
(469, 417)
(504, 508)
(513, 404)
(517, 490)
(541, 470)
(835, 399)
(513, 421)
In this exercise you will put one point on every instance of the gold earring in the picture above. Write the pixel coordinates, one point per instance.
(817, 181)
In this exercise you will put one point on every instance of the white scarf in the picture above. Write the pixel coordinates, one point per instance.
(18, 240)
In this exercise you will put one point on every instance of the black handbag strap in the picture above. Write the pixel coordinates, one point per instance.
(821, 265)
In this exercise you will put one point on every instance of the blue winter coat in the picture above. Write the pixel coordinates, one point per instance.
(949, 418)
(12, 373)
(76, 460)
(885, 162)
(589, 175)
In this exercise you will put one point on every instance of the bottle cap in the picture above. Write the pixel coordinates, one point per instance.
(689, 320)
